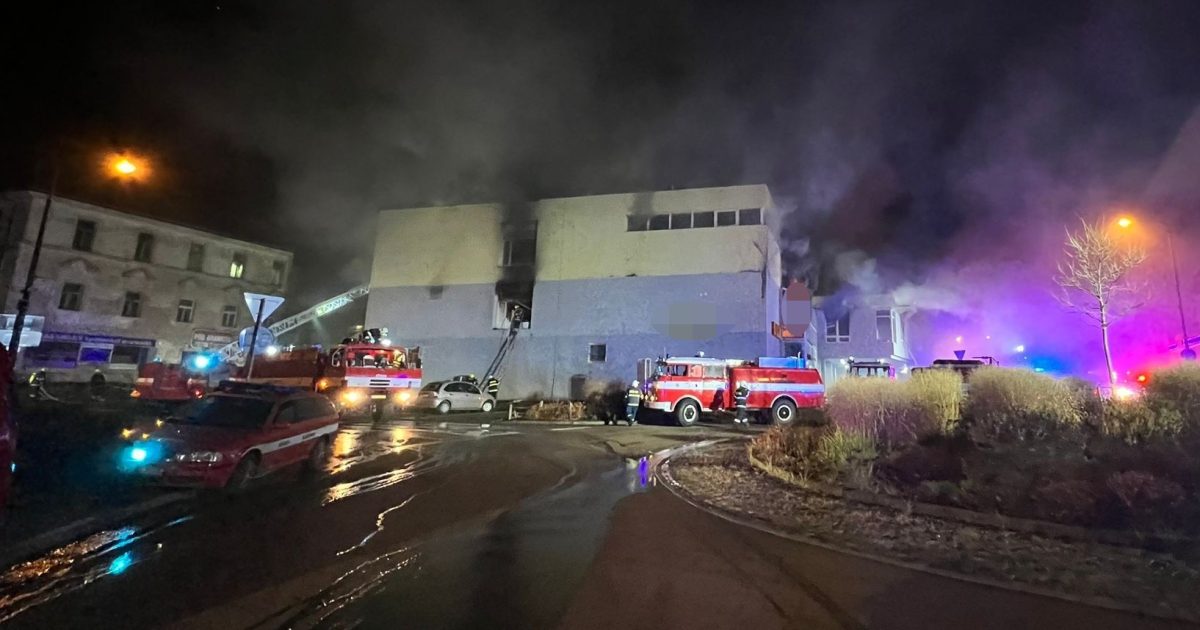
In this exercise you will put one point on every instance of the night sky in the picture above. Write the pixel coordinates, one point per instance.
(891, 131)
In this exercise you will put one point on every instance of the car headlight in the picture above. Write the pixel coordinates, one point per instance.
(200, 457)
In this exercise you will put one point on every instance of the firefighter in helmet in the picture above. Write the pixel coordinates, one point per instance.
(741, 397)
(633, 400)
(491, 386)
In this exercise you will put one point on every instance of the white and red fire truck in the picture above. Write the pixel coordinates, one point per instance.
(688, 386)
(354, 375)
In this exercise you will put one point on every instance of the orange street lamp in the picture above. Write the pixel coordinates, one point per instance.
(126, 166)
(1126, 222)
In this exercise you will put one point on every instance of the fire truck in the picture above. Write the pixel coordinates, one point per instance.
(364, 372)
(685, 387)
(159, 382)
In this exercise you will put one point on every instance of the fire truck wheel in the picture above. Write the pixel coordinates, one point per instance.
(487, 406)
(783, 411)
(687, 413)
(444, 406)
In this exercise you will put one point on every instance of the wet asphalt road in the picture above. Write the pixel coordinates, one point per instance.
(417, 525)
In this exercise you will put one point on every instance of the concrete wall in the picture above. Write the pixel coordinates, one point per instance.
(109, 271)
(864, 343)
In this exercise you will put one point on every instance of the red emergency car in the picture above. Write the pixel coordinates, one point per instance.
(688, 386)
(168, 383)
(240, 432)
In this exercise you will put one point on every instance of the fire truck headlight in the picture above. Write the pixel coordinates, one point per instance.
(323, 384)
(1121, 392)
(402, 398)
(351, 396)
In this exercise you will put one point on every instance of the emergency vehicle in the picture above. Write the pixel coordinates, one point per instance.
(354, 375)
(168, 383)
(688, 386)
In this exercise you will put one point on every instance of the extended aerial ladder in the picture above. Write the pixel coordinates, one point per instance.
(506, 344)
(293, 322)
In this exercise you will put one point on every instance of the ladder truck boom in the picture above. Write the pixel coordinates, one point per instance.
(293, 322)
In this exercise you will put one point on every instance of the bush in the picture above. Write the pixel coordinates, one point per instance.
(823, 453)
(1177, 390)
(1015, 404)
(895, 412)
(1072, 502)
(1136, 422)
(1148, 500)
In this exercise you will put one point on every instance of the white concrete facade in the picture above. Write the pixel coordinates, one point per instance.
(865, 329)
(146, 284)
(611, 279)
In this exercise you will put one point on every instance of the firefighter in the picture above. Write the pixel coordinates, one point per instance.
(741, 397)
(96, 385)
(37, 385)
(492, 387)
(633, 400)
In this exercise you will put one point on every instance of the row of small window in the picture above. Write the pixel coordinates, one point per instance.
(71, 299)
(886, 328)
(85, 236)
(689, 220)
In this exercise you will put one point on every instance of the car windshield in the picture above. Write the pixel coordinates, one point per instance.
(433, 387)
(225, 411)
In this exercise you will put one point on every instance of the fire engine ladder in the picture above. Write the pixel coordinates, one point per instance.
(510, 338)
(293, 322)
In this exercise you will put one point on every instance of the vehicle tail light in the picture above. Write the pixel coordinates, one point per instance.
(135, 394)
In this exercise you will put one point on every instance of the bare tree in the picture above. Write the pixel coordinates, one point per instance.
(1094, 278)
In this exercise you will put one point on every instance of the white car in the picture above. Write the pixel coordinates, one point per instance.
(447, 396)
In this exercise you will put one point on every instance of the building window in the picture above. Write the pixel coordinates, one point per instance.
(883, 325)
(726, 217)
(750, 216)
(636, 222)
(229, 316)
(519, 252)
(838, 330)
(237, 266)
(85, 234)
(508, 309)
(597, 352)
(132, 306)
(660, 222)
(196, 257)
(145, 247)
(185, 311)
(702, 219)
(278, 271)
(681, 221)
(71, 298)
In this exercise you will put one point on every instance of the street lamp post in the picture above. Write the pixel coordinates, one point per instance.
(119, 166)
(1187, 354)
(14, 343)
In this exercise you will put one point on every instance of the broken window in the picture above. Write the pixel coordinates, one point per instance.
(883, 325)
(520, 246)
(513, 305)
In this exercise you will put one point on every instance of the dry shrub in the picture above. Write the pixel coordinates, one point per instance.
(817, 453)
(1137, 422)
(1015, 404)
(1072, 501)
(1148, 500)
(1177, 390)
(896, 412)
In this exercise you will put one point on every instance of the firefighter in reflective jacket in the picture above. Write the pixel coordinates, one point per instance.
(492, 387)
(740, 397)
(633, 400)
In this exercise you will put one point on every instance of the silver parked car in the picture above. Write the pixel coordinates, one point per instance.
(447, 396)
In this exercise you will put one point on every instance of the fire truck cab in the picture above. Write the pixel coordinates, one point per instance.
(168, 383)
(686, 387)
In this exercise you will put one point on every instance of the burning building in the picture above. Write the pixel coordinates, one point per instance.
(594, 283)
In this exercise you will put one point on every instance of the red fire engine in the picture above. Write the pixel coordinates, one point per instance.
(168, 383)
(354, 375)
(689, 386)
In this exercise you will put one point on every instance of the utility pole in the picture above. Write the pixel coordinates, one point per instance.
(14, 343)
(254, 339)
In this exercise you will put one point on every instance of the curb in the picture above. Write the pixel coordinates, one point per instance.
(59, 536)
(662, 471)
(972, 517)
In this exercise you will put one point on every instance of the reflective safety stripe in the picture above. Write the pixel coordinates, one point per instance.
(706, 384)
(807, 388)
(271, 447)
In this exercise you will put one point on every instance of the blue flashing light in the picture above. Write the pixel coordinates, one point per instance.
(120, 563)
(201, 361)
(138, 454)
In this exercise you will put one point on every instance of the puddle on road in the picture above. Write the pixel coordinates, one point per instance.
(519, 570)
(74, 566)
